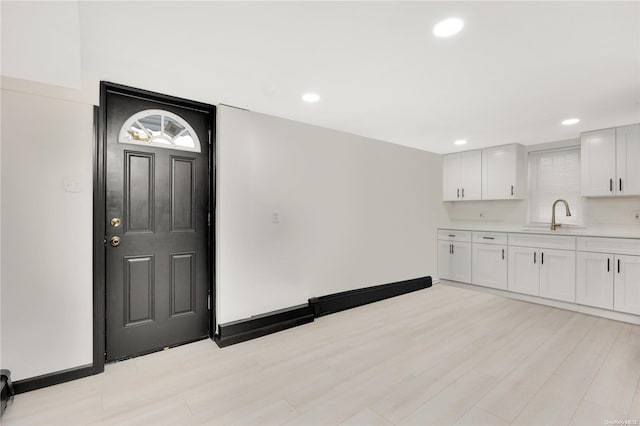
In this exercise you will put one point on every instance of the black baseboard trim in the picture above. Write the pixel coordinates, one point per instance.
(272, 322)
(325, 305)
(261, 325)
(26, 385)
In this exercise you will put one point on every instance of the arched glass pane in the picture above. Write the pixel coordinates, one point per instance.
(162, 129)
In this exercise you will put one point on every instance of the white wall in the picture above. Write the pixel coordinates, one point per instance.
(354, 212)
(46, 246)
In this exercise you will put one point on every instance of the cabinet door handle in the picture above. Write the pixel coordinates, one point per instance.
(488, 238)
(534, 257)
(620, 184)
(610, 185)
(502, 254)
(608, 264)
(512, 190)
(452, 249)
(618, 265)
(458, 192)
(542, 258)
(462, 192)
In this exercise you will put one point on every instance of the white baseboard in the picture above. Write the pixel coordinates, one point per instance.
(589, 310)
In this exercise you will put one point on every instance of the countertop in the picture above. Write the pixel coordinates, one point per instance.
(612, 231)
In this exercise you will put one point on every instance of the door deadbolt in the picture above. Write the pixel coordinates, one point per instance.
(115, 241)
(115, 222)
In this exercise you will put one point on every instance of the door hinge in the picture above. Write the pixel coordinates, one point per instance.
(209, 218)
(104, 240)
(209, 302)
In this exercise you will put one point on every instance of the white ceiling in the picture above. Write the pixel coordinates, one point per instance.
(514, 72)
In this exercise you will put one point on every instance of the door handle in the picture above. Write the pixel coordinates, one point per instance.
(620, 184)
(608, 264)
(618, 265)
(502, 254)
(115, 222)
(462, 192)
(610, 185)
(115, 241)
(542, 258)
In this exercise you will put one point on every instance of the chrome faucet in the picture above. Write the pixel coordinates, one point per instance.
(554, 225)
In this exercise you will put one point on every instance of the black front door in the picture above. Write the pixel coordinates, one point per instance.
(157, 214)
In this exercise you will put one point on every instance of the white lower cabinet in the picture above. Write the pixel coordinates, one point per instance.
(524, 270)
(626, 289)
(489, 265)
(454, 261)
(594, 279)
(543, 272)
(558, 274)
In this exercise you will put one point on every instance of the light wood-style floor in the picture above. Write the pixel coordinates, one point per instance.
(440, 356)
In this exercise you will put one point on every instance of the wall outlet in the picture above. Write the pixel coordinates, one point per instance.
(483, 215)
(636, 216)
(275, 217)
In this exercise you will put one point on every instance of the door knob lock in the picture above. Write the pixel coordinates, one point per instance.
(115, 222)
(115, 241)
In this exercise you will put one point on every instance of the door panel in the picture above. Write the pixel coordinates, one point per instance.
(594, 279)
(627, 160)
(471, 175)
(489, 265)
(498, 172)
(183, 196)
(524, 270)
(558, 274)
(139, 285)
(627, 284)
(461, 262)
(451, 177)
(598, 162)
(139, 190)
(157, 278)
(444, 259)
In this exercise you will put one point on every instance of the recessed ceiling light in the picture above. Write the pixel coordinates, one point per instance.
(448, 27)
(460, 142)
(570, 121)
(311, 97)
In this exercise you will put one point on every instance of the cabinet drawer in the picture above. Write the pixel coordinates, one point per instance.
(609, 245)
(560, 242)
(489, 237)
(454, 235)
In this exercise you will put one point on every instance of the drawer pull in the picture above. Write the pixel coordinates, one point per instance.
(488, 238)
(452, 235)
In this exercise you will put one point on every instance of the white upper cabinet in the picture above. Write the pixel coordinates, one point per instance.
(461, 176)
(628, 160)
(609, 161)
(503, 172)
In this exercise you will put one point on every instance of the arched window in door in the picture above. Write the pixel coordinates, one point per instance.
(161, 129)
